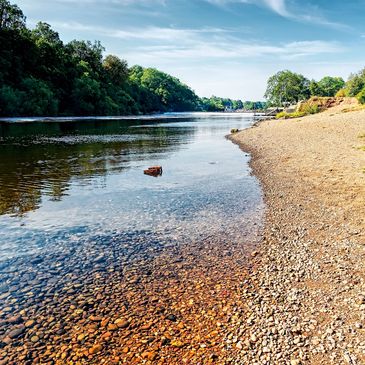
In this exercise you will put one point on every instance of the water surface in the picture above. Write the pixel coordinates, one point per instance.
(68, 183)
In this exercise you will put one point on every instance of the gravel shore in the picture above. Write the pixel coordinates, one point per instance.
(296, 298)
(305, 299)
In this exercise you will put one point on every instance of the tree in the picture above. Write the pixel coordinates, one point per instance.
(356, 83)
(314, 88)
(10, 101)
(38, 99)
(328, 86)
(11, 16)
(90, 53)
(86, 95)
(116, 69)
(287, 87)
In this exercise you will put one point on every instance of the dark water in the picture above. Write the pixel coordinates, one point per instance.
(65, 184)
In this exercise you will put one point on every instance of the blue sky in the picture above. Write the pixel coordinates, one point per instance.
(223, 47)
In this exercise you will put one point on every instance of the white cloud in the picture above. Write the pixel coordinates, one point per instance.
(115, 2)
(280, 7)
(205, 43)
(203, 51)
(277, 6)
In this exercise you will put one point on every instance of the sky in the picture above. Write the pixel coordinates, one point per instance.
(227, 48)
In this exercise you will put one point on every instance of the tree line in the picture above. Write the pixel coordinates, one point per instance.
(217, 104)
(287, 87)
(41, 75)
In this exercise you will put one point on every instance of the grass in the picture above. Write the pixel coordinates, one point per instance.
(285, 115)
(312, 106)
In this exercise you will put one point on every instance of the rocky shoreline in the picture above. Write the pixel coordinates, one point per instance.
(297, 298)
(305, 302)
(108, 302)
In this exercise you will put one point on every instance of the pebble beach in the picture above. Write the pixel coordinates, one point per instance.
(294, 295)
(305, 303)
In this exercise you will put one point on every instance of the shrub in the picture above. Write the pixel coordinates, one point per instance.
(285, 115)
(309, 108)
(341, 93)
(361, 96)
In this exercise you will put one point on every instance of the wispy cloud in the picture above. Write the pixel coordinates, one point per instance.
(116, 2)
(203, 43)
(278, 6)
(281, 8)
(222, 51)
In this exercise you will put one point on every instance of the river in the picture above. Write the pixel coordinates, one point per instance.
(79, 219)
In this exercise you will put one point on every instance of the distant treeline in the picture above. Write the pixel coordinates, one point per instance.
(215, 104)
(287, 87)
(40, 75)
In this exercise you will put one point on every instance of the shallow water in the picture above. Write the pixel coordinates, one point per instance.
(66, 184)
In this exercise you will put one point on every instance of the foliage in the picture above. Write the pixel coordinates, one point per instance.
(327, 86)
(355, 83)
(286, 87)
(38, 98)
(341, 93)
(217, 104)
(285, 115)
(308, 108)
(10, 100)
(361, 96)
(116, 70)
(11, 17)
(40, 75)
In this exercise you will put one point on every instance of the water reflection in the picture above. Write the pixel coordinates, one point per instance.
(63, 185)
(41, 158)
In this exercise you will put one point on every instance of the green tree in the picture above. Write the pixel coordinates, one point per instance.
(287, 87)
(116, 69)
(11, 16)
(10, 101)
(87, 52)
(314, 88)
(328, 86)
(86, 95)
(356, 83)
(37, 98)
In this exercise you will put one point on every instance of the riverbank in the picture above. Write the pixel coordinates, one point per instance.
(305, 301)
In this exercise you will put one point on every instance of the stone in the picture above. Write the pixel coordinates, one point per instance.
(149, 355)
(34, 338)
(122, 323)
(171, 317)
(16, 332)
(95, 318)
(177, 343)
(95, 349)
(29, 324)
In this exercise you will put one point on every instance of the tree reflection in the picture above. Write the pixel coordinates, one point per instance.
(40, 159)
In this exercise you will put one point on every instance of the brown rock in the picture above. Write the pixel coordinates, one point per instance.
(29, 323)
(106, 335)
(34, 339)
(16, 332)
(177, 343)
(95, 318)
(149, 355)
(112, 327)
(95, 349)
(122, 323)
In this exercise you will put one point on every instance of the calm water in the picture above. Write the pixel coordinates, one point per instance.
(64, 184)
